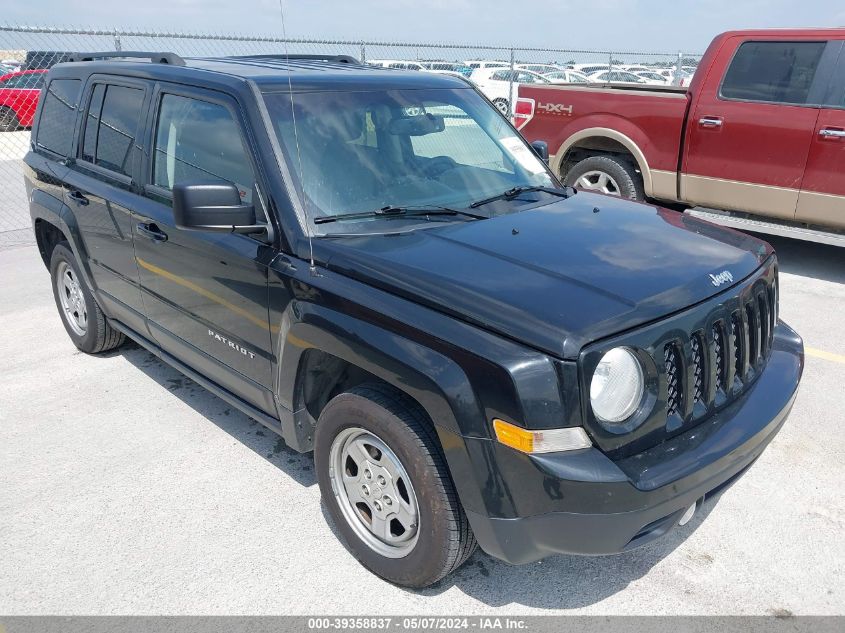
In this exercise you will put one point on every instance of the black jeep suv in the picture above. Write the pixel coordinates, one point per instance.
(376, 266)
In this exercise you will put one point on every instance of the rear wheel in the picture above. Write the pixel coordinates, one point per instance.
(608, 175)
(84, 322)
(9, 120)
(385, 483)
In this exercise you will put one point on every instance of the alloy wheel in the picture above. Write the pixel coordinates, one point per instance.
(374, 492)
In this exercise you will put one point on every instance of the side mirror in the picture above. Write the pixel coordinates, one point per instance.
(541, 148)
(213, 206)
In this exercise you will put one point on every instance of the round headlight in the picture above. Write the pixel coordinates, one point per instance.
(617, 386)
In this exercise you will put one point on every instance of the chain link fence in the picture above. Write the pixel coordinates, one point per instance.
(27, 52)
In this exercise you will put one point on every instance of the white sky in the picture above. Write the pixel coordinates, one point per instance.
(647, 25)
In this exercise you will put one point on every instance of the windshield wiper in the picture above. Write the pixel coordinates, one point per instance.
(510, 194)
(391, 211)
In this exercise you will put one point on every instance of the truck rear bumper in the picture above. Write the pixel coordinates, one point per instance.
(617, 506)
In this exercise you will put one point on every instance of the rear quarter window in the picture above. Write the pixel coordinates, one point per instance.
(772, 72)
(58, 116)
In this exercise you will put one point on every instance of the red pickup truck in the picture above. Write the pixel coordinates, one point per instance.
(757, 140)
(19, 93)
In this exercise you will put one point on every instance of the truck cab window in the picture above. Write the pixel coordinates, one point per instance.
(772, 72)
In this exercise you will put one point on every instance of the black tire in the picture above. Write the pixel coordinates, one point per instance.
(628, 183)
(502, 105)
(446, 541)
(98, 336)
(9, 121)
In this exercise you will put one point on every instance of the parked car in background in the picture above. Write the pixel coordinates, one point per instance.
(634, 68)
(675, 77)
(589, 69)
(567, 77)
(540, 68)
(448, 68)
(398, 64)
(500, 84)
(652, 78)
(19, 93)
(43, 60)
(476, 64)
(759, 134)
(615, 76)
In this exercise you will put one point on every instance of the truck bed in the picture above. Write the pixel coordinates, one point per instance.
(647, 120)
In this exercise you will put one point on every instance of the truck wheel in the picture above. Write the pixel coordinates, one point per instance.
(607, 174)
(84, 321)
(385, 483)
(502, 106)
(9, 120)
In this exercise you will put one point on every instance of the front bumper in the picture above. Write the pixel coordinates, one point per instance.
(581, 502)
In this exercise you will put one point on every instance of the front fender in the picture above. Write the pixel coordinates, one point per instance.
(433, 380)
(463, 376)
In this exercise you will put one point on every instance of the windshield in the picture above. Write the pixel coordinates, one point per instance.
(357, 152)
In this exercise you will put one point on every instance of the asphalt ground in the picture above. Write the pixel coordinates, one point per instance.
(125, 488)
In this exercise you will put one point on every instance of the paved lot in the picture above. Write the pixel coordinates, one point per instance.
(127, 489)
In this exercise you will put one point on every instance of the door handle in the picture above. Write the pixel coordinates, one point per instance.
(151, 231)
(828, 132)
(710, 121)
(77, 197)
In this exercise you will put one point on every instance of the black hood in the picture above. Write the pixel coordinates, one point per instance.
(559, 276)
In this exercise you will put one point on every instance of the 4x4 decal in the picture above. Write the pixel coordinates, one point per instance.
(555, 108)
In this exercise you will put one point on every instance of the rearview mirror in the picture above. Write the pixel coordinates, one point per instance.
(213, 206)
(417, 125)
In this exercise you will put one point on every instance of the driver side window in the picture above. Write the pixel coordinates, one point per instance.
(199, 141)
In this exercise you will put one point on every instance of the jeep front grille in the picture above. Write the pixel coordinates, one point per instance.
(718, 356)
(703, 373)
(701, 360)
(697, 369)
(672, 361)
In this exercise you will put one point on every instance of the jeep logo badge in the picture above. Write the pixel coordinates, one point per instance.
(722, 278)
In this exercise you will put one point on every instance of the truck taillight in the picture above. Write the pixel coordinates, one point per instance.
(523, 112)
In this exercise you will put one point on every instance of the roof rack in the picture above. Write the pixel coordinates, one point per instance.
(156, 57)
(341, 59)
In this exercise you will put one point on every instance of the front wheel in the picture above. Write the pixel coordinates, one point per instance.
(608, 175)
(385, 483)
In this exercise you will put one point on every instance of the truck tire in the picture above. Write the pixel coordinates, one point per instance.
(502, 106)
(84, 321)
(384, 481)
(9, 120)
(607, 174)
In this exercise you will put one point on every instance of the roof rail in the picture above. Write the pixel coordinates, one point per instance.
(341, 59)
(156, 57)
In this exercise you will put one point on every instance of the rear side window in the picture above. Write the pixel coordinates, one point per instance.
(58, 116)
(199, 141)
(773, 72)
(111, 126)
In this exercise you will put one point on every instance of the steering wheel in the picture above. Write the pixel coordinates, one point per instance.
(437, 165)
